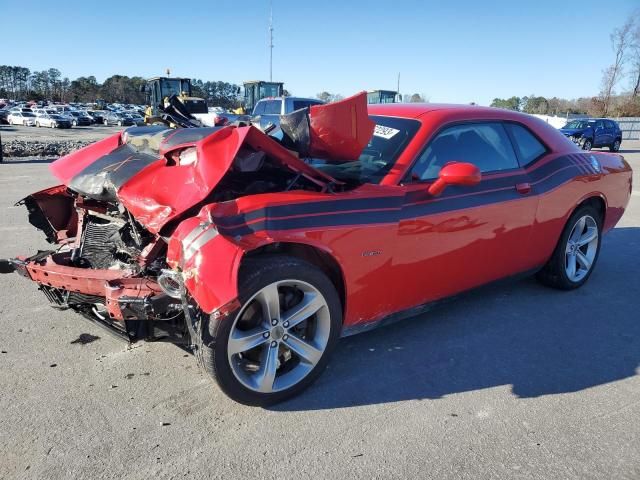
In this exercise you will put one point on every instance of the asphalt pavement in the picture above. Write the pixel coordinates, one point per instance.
(514, 381)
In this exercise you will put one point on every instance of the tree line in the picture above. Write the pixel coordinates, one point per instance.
(625, 45)
(20, 83)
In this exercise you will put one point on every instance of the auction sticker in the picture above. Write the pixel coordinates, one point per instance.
(385, 132)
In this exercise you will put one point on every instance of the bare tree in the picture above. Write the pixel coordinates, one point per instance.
(635, 59)
(621, 40)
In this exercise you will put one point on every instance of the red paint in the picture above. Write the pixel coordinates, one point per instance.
(340, 130)
(452, 243)
(456, 173)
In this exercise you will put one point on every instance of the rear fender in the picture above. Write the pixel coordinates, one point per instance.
(52, 211)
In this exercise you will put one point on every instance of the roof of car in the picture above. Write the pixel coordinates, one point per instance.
(415, 110)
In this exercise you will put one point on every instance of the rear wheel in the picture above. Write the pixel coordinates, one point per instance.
(280, 339)
(615, 146)
(576, 254)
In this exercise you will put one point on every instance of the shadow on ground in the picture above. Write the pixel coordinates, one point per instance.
(538, 340)
(18, 160)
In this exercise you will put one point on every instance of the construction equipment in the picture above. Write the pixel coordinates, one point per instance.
(256, 90)
(170, 103)
(383, 96)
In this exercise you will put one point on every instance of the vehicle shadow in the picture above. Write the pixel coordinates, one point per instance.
(13, 161)
(538, 340)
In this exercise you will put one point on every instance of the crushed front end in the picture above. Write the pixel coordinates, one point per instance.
(103, 265)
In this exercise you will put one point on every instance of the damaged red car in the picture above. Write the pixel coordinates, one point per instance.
(258, 250)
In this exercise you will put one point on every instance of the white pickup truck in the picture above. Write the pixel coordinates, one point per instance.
(268, 110)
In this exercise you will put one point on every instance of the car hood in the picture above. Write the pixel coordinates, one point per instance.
(137, 168)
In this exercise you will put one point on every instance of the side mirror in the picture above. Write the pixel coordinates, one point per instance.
(455, 173)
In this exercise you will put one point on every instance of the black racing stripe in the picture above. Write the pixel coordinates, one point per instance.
(102, 179)
(326, 206)
(543, 179)
(499, 183)
(332, 220)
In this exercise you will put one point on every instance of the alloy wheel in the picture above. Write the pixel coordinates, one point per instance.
(581, 248)
(279, 336)
(587, 145)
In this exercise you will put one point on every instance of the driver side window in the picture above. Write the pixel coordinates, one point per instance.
(486, 145)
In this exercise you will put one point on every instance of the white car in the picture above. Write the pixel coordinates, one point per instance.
(22, 118)
(52, 121)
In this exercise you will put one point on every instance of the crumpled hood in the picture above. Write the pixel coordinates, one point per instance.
(136, 168)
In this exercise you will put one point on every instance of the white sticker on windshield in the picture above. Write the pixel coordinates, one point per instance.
(384, 132)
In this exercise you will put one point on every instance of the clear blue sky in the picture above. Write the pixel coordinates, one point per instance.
(451, 51)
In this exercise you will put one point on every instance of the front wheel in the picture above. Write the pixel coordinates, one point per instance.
(587, 144)
(615, 146)
(280, 339)
(576, 254)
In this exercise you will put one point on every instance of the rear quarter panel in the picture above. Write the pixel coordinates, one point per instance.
(612, 185)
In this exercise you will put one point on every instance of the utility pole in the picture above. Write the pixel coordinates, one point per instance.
(271, 41)
(398, 87)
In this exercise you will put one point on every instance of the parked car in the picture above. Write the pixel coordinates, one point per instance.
(136, 118)
(22, 118)
(53, 121)
(267, 111)
(227, 242)
(97, 116)
(79, 118)
(119, 119)
(594, 132)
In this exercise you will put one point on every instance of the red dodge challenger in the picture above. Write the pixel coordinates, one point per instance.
(259, 249)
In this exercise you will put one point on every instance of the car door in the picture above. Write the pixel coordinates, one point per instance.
(612, 130)
(467, 236)
(600, 134)
(271, 113)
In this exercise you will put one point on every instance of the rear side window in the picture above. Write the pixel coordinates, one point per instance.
(528, 146)
(486, 145)
(272, 107)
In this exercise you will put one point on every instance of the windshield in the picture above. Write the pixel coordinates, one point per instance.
(577, 124)
(173, 86)
(27, 114)
(390, 137)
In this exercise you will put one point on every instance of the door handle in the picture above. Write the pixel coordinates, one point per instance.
(523, 188)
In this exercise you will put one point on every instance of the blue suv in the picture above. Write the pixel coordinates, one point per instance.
(594, 132)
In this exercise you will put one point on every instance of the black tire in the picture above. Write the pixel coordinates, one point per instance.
(587, 144)
(256, 274)
(615, 146)
(553, 274)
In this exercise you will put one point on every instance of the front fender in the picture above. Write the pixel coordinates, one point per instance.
(209, 263)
